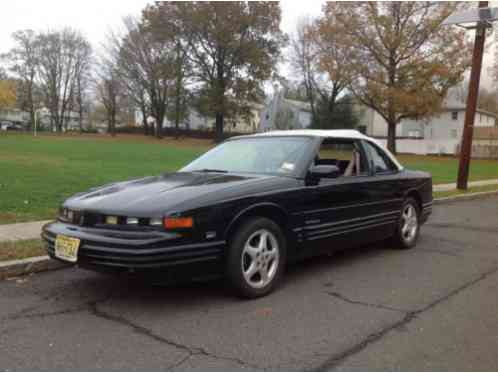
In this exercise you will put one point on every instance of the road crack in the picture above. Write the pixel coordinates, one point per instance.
(336, 359)
(190, 350)
(374, 305)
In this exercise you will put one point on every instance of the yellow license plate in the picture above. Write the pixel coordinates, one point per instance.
(66, 248)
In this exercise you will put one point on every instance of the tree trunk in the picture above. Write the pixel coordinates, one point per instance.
(177, 114)
(81, 120)
(159, 126)
(391, 137)
(144, 120)
(219, 127)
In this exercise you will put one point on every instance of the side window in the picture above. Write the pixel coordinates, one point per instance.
(380, 161)
(347, 155)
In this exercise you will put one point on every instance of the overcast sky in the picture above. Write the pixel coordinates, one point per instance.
(95, 17)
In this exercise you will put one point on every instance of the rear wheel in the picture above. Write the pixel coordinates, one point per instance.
(408, 228)
(256, 257)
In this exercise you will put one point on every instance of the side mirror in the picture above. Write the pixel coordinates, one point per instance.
(324, 171)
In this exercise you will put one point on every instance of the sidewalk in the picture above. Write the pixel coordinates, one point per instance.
(452, 186)
(21, 231)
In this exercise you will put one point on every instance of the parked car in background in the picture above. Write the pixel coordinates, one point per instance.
(246, 208)
(9, 126)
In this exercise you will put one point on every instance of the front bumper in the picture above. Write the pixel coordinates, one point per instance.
(135, 251)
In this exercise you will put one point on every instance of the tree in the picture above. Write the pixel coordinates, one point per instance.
(403, 61)
(322, 63)
(7, 94)
(232, 47)
(145, 65)
(109, 92)
(23, 60)
(341, 117)
(64, 55)
(82, 78)
(303, 60)
(181, 94)
(488, 100)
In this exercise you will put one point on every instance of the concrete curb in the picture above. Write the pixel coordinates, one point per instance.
(464, 197)
(14, 268)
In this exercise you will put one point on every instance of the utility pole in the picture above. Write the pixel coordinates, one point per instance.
(470, 111)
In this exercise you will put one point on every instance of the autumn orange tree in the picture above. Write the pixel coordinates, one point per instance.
(402, 60)
(7, 94)
(232, 48)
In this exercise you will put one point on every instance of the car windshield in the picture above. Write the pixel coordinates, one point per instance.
(266, 155)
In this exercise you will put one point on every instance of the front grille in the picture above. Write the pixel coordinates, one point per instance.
(91, 219)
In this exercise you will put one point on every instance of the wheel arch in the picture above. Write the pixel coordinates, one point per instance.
(268, 210)
(415, 194)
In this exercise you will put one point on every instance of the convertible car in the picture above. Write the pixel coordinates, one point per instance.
(246, 208)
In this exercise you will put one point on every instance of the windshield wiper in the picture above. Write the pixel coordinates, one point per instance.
(210, 170)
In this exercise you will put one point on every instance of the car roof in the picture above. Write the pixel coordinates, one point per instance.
(349, 134)
(338, 134)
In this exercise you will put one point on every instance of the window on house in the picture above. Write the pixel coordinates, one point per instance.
(454, 115)
(454, 134)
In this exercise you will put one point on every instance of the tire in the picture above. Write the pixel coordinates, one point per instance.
(254, 269)
(408, 226)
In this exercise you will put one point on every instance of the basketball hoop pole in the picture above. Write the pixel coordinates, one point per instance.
(470, 111)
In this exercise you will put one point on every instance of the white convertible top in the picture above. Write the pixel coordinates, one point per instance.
(338, 134)
(348, 134)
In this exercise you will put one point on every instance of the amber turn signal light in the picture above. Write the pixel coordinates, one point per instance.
(175, 223)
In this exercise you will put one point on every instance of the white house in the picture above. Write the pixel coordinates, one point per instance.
(15, 116)
(295, 114)
(439, 134)
(196, 121)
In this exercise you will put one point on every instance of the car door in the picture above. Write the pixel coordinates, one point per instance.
(385, 189)
(333, 207)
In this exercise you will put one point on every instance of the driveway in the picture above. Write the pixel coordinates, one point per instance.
(431, 308)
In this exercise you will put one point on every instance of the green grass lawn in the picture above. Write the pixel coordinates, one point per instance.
(37, 174)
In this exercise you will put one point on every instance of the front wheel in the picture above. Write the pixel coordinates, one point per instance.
(408, 227)
(256, 258)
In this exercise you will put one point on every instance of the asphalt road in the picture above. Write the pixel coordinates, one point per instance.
(431, 308)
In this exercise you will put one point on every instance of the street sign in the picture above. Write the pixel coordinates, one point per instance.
(481, 16)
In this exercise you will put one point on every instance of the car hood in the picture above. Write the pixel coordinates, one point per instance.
(154, 196)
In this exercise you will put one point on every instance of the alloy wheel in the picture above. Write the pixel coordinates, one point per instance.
(260, 258)
(409, 224)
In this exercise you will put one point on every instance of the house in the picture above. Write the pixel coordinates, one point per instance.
(15, 116)
(196, 121)
(282, 113)
(439, 134)
(72, 119)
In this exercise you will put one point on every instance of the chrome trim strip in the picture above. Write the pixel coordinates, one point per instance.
(351, 206)
(348, 231)
(309, 227)
(351, 226)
